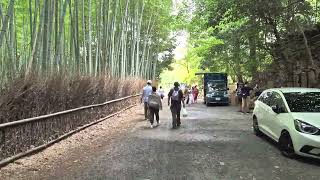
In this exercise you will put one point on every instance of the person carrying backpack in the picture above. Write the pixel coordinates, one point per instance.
(155, 104)
(175, 98)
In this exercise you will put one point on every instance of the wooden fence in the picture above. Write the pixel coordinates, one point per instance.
(27, 136)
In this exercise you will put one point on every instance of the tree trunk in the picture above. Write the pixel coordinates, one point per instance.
(59, 55)
(31, 62)
(45, 36)
(76, 36)
(89, 38)
(315, 72)
(31, 28)
(5, 21)
(138, 72)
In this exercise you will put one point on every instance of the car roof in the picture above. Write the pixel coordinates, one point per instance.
(295, 89)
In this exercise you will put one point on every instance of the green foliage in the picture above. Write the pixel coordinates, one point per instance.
(241, 37)
(120, 37)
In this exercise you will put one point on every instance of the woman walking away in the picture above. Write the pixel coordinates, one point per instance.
(155, 104)
(176, 97)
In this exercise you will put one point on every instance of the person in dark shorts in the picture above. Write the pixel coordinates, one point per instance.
(239, 95)
(175, 98)
(245, 93)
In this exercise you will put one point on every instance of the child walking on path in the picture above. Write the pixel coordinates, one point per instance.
(155, 104)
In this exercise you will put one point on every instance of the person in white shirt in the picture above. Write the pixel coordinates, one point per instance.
(161, 92)
(191, 95)
(146, 92)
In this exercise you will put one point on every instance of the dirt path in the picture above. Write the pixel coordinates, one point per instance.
(213, 143)
(73, 151)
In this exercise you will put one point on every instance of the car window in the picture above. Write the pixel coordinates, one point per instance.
(261, 97)
(265, 97)
(276, 100)
(303, 101)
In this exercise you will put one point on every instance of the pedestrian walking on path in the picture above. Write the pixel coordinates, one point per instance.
(186, 95)
(239, 95)
(191, 95)
(161, 92)
(155, 105)
(146, 92)
(196, 93)
(245, 92)
(175, 98)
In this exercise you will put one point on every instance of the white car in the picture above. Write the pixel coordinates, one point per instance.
(291, 117)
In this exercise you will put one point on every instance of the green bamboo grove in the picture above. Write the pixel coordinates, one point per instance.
(89, 37)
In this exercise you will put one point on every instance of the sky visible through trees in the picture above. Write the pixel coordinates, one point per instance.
(246, 38)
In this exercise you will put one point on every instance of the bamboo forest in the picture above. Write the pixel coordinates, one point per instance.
(160, 89)
(89, 37)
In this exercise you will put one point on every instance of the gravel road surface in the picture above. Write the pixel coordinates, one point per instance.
(213, 143)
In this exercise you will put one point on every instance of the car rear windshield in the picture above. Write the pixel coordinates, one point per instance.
(303, 102)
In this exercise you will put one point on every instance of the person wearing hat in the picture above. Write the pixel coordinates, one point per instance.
(175, 98)
(146, 92)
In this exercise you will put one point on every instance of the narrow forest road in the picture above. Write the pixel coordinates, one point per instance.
(213, 143)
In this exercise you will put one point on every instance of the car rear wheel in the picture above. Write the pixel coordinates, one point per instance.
(286, 145)
(255, 126)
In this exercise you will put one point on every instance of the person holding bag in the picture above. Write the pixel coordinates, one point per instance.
(155, 105)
